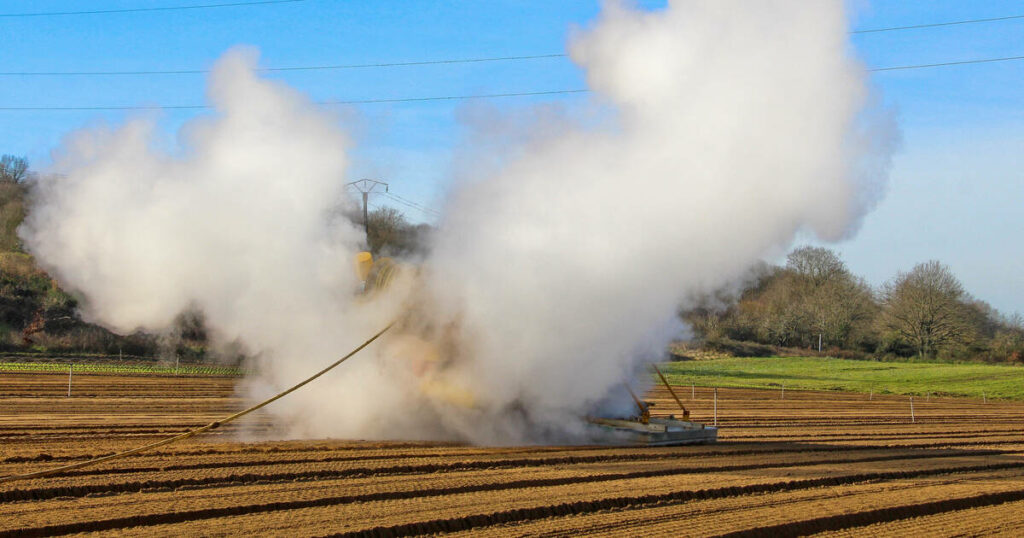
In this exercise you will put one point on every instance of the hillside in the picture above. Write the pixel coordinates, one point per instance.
(36, 315)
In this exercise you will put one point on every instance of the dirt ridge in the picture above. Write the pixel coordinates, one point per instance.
(468, 522)
(479, 520)
(880, 515)
(363, 472)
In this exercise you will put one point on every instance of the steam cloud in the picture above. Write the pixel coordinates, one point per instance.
(721, 129)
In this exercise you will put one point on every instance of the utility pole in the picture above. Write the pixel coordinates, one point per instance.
(366, 186)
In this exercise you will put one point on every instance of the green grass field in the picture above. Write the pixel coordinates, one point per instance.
(814, 373)
(107, 368)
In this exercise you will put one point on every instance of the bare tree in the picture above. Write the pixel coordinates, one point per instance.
(1008, 342)
(927, 308)
(834, 303)
(13, 169)
(12, 213)
(816, 264)
(778, 316)
(387, 231)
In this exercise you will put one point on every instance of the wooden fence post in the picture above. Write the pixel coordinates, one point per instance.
(716, 406)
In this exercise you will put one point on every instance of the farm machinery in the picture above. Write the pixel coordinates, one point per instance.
(432, 353)
(643, 429)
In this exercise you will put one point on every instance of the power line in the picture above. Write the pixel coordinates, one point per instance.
(140, 9)
(405, 202)
(372, 65)
(449, 97)
(933, 25)
(965, 62)
(353, 101)
(410, 203)
(280, 69)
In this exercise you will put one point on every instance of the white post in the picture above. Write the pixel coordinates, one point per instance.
(71, 368)
(928, 397)
(716, 406)
(983, 398)
(693, 392)
(871, 395)
(783, 397)
(912, 418)
(177, 359)
(819, 342)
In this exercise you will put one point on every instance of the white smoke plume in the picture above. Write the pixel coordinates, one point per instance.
(724, 128)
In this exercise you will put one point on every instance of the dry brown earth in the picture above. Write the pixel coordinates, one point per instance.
(828, 463)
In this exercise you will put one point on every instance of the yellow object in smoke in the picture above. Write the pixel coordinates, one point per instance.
(423, 357)
(425, 362)
(418, 352)
(384, 271)
(364, 263)
(450, 393)
(376, 275)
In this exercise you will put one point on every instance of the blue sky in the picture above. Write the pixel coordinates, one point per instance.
(957, 187)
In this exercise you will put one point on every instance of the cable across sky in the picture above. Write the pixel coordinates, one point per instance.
(453, 97)
(143, 72)
(142, 9)
(935, 25)
(410, 203)
(279, 69)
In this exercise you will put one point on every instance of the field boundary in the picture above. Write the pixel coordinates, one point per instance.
(980, 381)
(121, 369)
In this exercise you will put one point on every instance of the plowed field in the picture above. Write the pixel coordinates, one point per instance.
(813, 462)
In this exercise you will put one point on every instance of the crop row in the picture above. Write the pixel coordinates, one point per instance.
(106, 368)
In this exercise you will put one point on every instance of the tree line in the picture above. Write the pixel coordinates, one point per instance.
(36, 315)
(814, 300)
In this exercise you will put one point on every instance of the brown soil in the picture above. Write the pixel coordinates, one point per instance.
(829, 463)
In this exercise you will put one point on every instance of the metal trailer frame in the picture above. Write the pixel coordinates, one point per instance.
(656, 432)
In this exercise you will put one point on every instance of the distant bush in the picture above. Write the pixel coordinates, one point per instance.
(12, 212)
(740, 349)
(814, 298)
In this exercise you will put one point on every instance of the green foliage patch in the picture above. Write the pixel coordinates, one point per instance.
(101, 368)
(821, 373)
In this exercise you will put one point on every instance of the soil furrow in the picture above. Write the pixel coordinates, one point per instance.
(360, 472)
(860, 519)
(488, 519)
(468, 522)
(852, 463)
